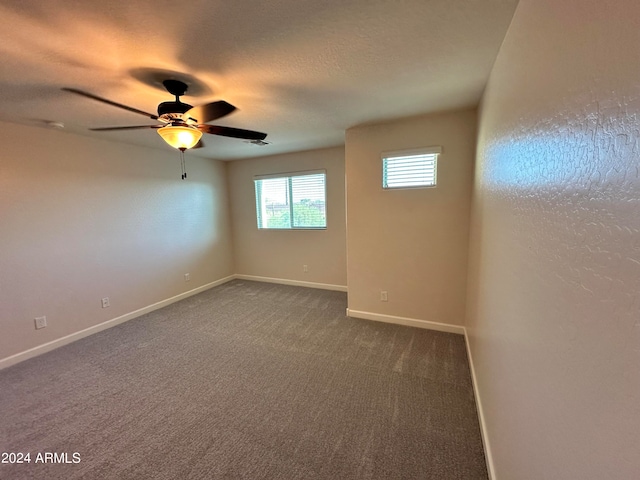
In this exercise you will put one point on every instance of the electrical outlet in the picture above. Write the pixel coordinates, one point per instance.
(105, 302)
(41, 322)
(383, 296)
(305, 268)
(186, 277)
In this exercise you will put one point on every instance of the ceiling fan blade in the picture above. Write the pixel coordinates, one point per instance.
(109, 102)
(132, 127)
(232, 132)
(210, 111)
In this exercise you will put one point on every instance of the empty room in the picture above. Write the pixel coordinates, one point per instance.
(320, 240)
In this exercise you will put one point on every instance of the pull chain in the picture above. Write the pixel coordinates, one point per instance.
(183, 165)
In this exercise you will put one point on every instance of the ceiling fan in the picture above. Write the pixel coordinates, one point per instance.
(181, 125)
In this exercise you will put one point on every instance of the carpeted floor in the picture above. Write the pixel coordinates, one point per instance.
(247, 381)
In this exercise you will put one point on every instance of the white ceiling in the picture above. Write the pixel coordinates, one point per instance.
(302, 71)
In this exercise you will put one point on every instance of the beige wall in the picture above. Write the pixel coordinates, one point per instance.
(411, 243)
(282, 253)
(554, 305)
(82, 219)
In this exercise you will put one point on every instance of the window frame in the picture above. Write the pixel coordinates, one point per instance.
(385, 156)
(290, 190)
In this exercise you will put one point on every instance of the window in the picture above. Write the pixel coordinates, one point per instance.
(410, 168)
(295, 200)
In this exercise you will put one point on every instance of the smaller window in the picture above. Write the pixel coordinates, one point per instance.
(410, 168)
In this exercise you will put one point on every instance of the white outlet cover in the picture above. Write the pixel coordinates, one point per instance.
(40, 322)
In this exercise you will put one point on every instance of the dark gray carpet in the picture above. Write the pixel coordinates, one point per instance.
(250, 381)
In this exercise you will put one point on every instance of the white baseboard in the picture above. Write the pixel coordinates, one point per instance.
(411, 322)
(47, 347)
(297, 283)
(483, 426)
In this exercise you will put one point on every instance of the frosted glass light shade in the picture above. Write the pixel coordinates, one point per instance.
(179, 136)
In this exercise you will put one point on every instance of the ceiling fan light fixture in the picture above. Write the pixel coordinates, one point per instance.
(179, 136)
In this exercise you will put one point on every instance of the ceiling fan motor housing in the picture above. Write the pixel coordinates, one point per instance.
(173, 107)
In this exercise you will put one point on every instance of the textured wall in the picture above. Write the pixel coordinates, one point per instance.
(554, 304)
(82, 219)
(282, 253)
(411, 243)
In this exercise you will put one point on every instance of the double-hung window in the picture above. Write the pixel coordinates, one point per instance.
(291, 200)
(410, 168)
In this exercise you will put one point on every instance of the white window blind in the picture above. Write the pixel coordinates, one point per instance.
(410, 168)
(289, 201)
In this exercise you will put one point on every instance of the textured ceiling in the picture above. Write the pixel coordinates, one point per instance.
(302, 71)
